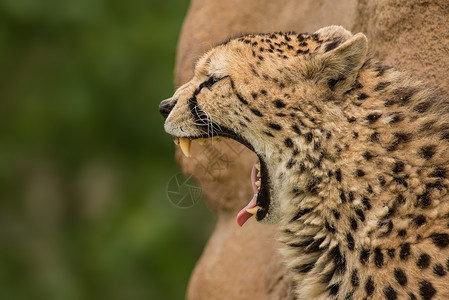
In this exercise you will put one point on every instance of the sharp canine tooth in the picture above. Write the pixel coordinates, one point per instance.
(176, 140)
(258, 166)
(258, 183)
(253, 210)
(185, 144)
(258, 174)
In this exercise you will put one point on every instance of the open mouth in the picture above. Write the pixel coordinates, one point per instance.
(260, 202)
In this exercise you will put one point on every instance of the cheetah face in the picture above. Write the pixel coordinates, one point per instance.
(243, 90)
(210, 106)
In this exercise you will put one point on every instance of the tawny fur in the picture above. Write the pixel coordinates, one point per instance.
(357, 154)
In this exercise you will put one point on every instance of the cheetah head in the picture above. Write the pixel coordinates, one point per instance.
(251, 88)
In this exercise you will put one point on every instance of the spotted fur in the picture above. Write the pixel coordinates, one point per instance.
(357, 154)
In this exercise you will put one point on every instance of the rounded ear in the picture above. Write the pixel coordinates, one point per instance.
(335, 32)
(338, 66)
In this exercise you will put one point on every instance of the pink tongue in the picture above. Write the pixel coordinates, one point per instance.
(243, 215)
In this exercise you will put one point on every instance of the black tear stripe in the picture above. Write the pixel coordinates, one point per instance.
(241, 99)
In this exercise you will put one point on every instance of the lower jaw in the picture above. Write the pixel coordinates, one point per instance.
(259, 204)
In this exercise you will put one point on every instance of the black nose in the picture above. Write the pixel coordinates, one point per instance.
(166, 107)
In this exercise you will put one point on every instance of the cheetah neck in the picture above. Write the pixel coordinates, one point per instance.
(343, 189)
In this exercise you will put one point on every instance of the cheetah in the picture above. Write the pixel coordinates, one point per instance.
(352, 159)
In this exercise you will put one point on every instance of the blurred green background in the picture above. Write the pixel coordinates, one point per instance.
(84, 160)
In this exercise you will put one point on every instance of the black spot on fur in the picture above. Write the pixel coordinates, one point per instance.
(333, 81)
(274, 126)
(336, 214)
(256, 112)
(351, 196)
(388, 225)
(278, 103)
(423, 106)
(263, 92)
(439, 270)
(426, 290)
(351, 119)
(402, 232)
(305, 268)
(391, 252)
(315, 246)
(378, 257)
(290, 163)
(254, 95)
(424, 199)
(375, 137)
(441, 240)
(268, 133)
(333, 289)
(419, 220)
(360, 173)
(389, 103)
(311, 187)
(288, 143)
(355, 278)
(399, 137)
(364, 256)
(412, 296)
(390, 293)
(380, 69)
(366, 203)
(398, 167)
(397, 117)
(423, 261)
(427, 152)
(401, 180)
(381, 180)
(362, 96)
(296, 129)
(371, 118)
(404, 252)
(369, 286)
(353, 223)
(367, 155)
(400, 199)
(381, 86)
(350, 240)
(439, 172)
(404, 94)
(338, 175)
(360, 214)
(400, 276)
(342, 196)
(339, 260)
(309, 137)
(301, 213)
